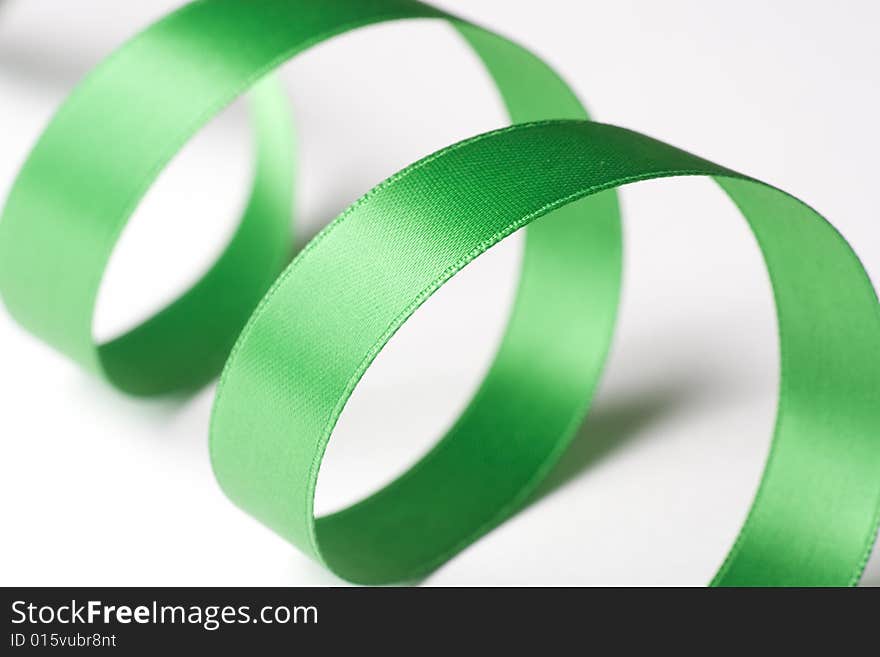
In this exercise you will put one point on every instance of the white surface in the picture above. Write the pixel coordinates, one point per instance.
(100, 489)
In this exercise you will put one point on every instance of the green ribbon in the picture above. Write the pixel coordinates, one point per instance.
(296, 351)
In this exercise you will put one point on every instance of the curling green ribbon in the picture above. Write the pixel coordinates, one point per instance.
(297, 354)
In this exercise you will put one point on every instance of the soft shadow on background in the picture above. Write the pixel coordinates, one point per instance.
(40, 63)
(615, 423)
(33, 63)
(617, 420)
(624, 419)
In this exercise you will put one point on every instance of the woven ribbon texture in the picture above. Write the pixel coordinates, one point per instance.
(293, 339)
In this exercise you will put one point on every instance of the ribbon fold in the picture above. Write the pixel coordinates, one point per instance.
(294, 349)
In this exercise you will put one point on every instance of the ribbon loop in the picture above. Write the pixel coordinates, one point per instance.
(317, 329)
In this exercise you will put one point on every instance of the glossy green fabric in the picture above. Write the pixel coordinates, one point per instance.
(319, 326)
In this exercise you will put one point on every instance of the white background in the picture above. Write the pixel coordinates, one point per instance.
(101, 489)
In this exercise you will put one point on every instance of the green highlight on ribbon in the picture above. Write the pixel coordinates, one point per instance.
(295, 349)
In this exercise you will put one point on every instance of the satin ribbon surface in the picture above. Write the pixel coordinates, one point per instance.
(294, 349)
